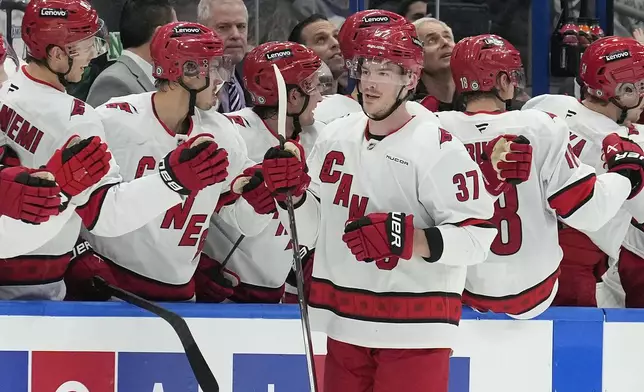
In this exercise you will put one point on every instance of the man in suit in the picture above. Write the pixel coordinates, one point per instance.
(229, 19)
(132, 71)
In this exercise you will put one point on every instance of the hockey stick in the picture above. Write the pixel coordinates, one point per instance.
(297, 258)
(197, 362)
(218, 275)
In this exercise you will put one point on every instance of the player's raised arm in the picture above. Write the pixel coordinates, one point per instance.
(453, 193)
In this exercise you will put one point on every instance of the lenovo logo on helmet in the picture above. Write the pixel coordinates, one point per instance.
(53, 13)
(280, 54)
(491, 41)
(622, 54)
(187, 30)
(375, 19)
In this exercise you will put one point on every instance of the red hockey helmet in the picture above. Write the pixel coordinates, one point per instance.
(397, 45)
(188, 49)
(614, 67)
(7, 53)
(299, 65)
(478, 61)
(366, 20)
(69, 24)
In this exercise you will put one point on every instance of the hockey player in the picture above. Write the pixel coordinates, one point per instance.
(263, 262)
(37, 119)
(336, 105)
(392, 237)
(612, 71)
(520, 275)
(158, 260)
(8, 60)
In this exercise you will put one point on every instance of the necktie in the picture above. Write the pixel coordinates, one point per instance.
(234, 101)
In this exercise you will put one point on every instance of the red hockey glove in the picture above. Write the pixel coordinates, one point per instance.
(8, 156)
(625, 157)
(378, 236)
(507, 160)
(79, 164)
(29, 195)
(250, 184)
(83, 267)
(284, 170)
(194, 165)
(212, 284)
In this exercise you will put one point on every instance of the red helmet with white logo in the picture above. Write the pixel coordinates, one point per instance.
(62, 23)
(366, 20)
(396, 44)
(299, 65)
(478, 61)
(187, 49)
(613, 67)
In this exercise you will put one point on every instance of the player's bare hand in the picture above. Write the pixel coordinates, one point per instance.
(624, 156)
(80, 164)
(638, 34)
(194, 165)
(379, 236)
(29, 195)
(251, 186)
(284, 170)
(507, 160)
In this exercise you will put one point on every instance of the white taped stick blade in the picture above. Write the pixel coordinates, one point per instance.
(282, 102)
(202, 139)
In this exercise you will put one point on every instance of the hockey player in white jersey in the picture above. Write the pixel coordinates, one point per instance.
(158, 260)
(37, 119)
(392, 238)
(520, 275)
(612, 71)
(337, 105)
(263, 262)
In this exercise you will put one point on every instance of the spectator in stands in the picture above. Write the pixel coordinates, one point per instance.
(412, 9)
(321, 36)
(436, 87)
(132, 71)
(229, 19)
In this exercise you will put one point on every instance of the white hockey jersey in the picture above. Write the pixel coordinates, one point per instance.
(35, 120)
(336, 106)
(262, 262)
(587, 131)
(395, 303)
(520, 275)
(14, 232)
(166, 249)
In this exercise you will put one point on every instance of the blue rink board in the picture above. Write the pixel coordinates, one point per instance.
(577, 332)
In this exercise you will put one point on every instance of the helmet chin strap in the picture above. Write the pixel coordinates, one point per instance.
(623, 109)
(297, 126)
(193, 94)
(61, 76)
(396, 105)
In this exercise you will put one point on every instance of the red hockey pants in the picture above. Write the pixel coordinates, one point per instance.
(631, 274)
(350, 368)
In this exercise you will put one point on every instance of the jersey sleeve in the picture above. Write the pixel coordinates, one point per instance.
(112, 208)
(453, 194)
(19, 238)
(580, 198)
(308, 210)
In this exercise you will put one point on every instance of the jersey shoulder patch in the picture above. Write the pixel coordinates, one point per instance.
(78, 108)
(123, 106)
(444, 136)
(237, 120)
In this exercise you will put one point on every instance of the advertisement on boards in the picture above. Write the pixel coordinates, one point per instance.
(116, 352)
(623, 349)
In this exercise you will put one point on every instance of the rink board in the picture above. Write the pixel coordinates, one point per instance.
(113, 347)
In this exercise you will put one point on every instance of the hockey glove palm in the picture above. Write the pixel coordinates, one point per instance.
(378, 236)
(80, 164)
(625, 157)
(284, 170)
(507, 160)
(194, 165)
(250, 184)
(26, 196)
(212, 283)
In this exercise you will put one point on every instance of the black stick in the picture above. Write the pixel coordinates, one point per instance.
(198, 363)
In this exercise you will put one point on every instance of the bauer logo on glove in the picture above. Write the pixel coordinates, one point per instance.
(378, 236)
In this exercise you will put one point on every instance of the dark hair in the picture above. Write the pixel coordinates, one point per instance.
(296, 33)
(403, 7)
(139, 19)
